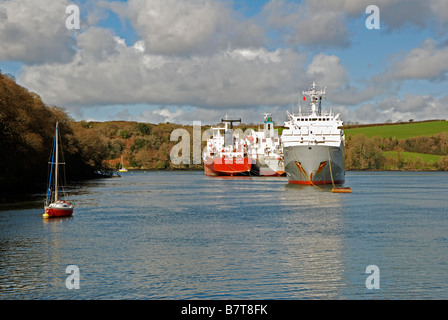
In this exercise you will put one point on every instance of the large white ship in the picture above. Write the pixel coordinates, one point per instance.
(265, 150)
(314, 144)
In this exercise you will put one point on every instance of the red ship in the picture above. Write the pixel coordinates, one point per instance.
(226, 154)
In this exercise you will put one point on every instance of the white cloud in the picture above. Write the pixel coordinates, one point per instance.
(187, 27)
(98, 44)
(429, 61)
(322, 29)
(34, 31)
(440, 9)
(203, 54)
(324, 23)
(301, 24)
(328, 71)
(171, 26)
(394, 14)
(417, 107)
(107, 71)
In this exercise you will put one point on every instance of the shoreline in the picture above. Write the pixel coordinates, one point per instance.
(34, 190)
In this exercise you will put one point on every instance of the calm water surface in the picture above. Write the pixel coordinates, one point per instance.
(183, 235)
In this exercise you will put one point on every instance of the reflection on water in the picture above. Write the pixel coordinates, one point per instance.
(183, 235)
(314, 240)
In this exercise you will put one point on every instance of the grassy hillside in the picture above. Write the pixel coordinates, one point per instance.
(413, 155)
(401, 131)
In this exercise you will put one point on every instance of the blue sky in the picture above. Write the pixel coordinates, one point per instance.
(196, 60)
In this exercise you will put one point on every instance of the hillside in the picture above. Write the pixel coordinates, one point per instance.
(27, 128)
(143, 146)
(399, 131)
(410, 146)
(413, 146)
(26, 138)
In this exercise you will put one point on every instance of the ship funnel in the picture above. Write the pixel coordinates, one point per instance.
(231, 121)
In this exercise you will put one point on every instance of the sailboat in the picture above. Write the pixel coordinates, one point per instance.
(122, 168)
(55, 207)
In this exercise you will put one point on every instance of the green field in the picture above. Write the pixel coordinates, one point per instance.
(411, 155)
(401, 131)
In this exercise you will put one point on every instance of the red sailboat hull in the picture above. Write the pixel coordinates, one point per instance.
(58, 212)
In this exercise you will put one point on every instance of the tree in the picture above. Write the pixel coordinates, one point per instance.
(443, 163)
(144, 128)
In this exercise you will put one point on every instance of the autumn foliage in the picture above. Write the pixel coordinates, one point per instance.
(27, 128)
(26, 138)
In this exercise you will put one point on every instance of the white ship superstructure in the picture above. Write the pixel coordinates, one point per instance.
(314, 144)
(226, 153)
(265, 150)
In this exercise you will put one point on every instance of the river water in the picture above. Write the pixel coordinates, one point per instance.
(183, 235)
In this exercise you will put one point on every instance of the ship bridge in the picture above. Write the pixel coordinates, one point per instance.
(315, 127)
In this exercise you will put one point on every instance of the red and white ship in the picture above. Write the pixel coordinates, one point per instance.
(226, 154)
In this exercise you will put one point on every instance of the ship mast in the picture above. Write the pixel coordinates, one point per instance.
(316, 99)
(56, 167)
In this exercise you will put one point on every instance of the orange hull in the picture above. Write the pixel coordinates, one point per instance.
(227, 167)
(308, 183)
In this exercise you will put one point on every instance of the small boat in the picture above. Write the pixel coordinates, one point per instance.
(122, 168)
(55, 207)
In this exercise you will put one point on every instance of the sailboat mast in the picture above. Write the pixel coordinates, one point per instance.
(56, 167)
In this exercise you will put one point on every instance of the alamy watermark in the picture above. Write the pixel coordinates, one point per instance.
(373, 280)
(373, 21)
(72, 281)
(73, 20)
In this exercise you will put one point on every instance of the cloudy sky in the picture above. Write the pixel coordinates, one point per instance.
(197, 60)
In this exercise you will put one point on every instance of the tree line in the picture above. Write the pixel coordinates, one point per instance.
(147, 146)
(27, 131)
(363, 153)
(27, 127)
